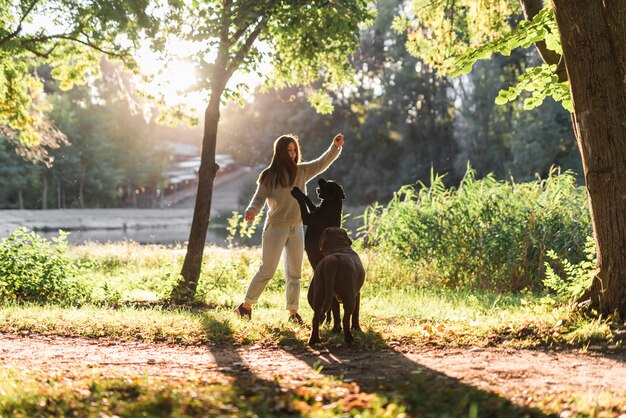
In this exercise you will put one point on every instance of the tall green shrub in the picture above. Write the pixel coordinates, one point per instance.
(487, 233)
(33, 269)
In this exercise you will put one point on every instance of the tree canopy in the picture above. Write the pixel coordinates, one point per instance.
(283, 43)
(68, 37)
(453, 37)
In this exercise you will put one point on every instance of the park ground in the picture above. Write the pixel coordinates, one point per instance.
(329, 380)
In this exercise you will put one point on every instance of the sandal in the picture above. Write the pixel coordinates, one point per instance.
(243, 312)
(296, 318)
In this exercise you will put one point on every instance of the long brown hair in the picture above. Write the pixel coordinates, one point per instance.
(282, 170)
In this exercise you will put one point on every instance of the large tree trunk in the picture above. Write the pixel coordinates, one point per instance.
(593, 34)
(192, 265)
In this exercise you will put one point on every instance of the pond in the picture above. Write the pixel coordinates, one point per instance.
(145, 226)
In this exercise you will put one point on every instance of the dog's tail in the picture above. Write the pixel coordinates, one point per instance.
(329, 284)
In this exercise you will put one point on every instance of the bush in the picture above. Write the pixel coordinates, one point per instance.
(33, 269)
(574, 279)
(487, 233)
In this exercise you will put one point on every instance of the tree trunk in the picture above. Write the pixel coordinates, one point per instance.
(81, 191)
(59, 201)
(44, 193)
(20, 198)
(593, 34)
(192, 265)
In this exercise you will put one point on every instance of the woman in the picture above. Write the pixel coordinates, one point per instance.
(283, 225)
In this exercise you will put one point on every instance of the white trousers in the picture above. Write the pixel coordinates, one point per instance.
(275, 238)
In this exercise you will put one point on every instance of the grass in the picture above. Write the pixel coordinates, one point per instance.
(406, 314)
(82, 394)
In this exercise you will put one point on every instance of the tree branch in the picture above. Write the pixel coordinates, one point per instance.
(245, 48)
(219, 78)
(233, 39)
(73, 37)
(37, 53)
(530, 9)
(19, 25)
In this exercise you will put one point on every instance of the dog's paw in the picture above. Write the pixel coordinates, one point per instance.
(313, 341)
(296, 192)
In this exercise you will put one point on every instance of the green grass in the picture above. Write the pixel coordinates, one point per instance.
(122, 273)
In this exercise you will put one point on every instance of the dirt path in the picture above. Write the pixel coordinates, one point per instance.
(511, 373)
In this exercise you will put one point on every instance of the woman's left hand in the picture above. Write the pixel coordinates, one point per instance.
(338, 140)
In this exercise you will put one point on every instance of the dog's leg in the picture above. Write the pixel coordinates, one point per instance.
(336, 312)
(310, 295)
(348, 309)
(315, 328)
(355, 314)
(324, 317)
(309, 203)
(304, 212)
(303, 202)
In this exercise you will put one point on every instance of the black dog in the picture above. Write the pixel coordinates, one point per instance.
(317, 219)
(339, 276)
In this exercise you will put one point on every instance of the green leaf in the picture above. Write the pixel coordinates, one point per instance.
(553, 43)
(501, 99)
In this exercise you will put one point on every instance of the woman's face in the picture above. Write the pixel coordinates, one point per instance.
(291, 150)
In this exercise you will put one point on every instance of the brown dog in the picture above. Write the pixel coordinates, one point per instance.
(339, 275)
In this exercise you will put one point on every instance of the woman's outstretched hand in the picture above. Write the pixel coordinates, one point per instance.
(249, 215)
(338, 140)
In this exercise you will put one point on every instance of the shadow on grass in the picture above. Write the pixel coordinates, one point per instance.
(419, 390)
(195, 306)
(253, 395)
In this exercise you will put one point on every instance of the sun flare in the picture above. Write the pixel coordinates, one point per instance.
(172, 82)
(179, 76)
(176, 81)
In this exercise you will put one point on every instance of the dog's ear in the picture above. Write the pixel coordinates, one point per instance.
(338, 191)
(345, 233)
